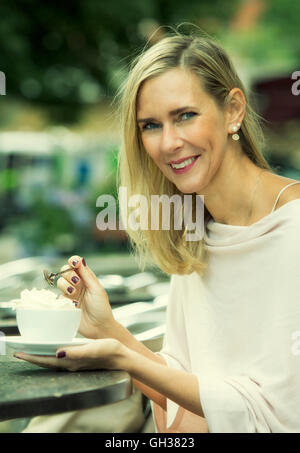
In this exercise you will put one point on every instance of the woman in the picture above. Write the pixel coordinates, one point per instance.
(227, 363)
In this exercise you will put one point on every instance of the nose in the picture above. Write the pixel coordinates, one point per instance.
(170, 139)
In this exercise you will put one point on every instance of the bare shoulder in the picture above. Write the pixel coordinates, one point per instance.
(293, 192)
(289, 194)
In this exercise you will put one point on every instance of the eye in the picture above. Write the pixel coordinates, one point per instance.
(149, 126)
(187, 115)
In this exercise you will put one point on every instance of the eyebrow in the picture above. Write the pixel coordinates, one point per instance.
(171, 113)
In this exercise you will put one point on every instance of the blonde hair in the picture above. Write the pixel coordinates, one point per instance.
(168, 249)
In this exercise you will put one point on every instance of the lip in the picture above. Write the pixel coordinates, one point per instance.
(181, 160)
(185, 169)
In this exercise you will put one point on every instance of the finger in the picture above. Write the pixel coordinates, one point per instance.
(71, 276)
(69, 290)
(87, 351)
(41, 360)
(74, 261)
(87, 276)
(45, 361)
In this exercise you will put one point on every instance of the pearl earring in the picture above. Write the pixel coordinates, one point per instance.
(235, 129)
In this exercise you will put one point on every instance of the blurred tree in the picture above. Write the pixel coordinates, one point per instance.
(284, 17)
(67, 55)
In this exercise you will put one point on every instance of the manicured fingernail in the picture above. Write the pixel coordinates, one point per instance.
(75, 279)
(61, 354)
(83, 262)
(74, 262)
(70, 289)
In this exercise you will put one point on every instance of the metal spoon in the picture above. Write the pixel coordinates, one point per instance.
(51, 278)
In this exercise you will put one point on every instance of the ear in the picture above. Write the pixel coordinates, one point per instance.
(235, 108)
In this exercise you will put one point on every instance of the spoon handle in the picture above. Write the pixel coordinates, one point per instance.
(61, 272)
(53, 277)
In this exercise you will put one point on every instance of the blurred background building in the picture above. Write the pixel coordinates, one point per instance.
(59, 135)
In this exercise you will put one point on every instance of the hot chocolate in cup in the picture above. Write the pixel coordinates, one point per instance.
(44, 317)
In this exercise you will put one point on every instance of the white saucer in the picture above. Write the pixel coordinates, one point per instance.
(39, 347)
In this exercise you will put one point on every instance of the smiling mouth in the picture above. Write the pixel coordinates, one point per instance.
(184, 164)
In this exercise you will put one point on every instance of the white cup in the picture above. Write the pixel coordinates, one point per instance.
(48, 325)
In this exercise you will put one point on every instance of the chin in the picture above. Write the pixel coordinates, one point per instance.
(191, 187)
(187, 189)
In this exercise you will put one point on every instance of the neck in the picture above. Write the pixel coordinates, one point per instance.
(232, 197)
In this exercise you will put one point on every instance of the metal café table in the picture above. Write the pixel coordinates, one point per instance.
(27, 390)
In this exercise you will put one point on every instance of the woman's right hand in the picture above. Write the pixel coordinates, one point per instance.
(82, 286)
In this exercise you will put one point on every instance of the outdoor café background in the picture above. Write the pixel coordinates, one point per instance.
(59, 137)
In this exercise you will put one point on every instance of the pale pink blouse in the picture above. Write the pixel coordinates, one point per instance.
(236, 329)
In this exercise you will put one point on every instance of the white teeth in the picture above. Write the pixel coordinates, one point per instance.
(184, 163)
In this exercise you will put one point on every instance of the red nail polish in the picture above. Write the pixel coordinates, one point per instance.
(70, 289)
(83, 262)
(61, 355)
(75, 279)
(74, 263)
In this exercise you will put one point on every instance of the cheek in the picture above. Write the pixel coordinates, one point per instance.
(210, 136)
(151, 147)
(201, 132)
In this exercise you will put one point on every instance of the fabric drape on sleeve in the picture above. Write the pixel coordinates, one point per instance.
(266, 399)
(176, 354)
(175, 348)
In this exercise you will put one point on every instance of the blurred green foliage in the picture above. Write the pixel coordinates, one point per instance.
(283, 17)
(273, 42)
(67, 55)
(71, 54)
(45, 226)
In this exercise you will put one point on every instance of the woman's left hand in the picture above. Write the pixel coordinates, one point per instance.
(106, 354)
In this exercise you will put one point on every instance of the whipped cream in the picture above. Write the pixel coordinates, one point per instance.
(43, 299)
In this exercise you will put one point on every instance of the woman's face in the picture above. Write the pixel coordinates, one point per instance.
(182, 129)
